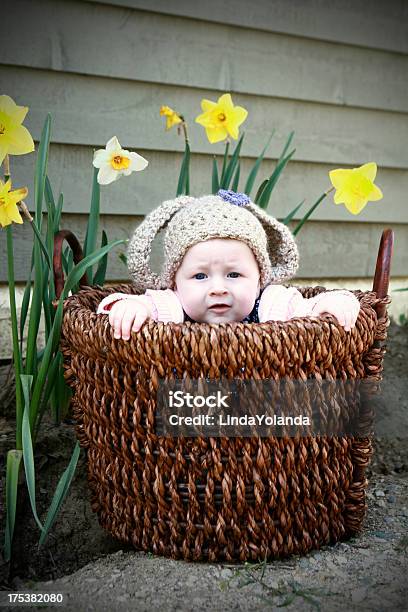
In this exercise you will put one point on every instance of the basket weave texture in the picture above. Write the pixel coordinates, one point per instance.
(216, 498)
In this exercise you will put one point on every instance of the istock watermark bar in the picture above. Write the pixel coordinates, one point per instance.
(287, 407)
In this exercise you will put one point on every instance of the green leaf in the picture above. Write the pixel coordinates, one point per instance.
(41, 170)
(51, 379)
(93, 219)
(235, 182)
(224, 163)
(260, 190)
(49, 196)
(123, 258)
(52, 343)
(39, 185)
(286, 147)
(12, 471)
(292, 213)
(215, 183)
(42, 244)
(227, 175)
(28, 454)
(254, 172)
(273, 179)
(99, 277)
(60, 493)
(183, 185)
(24, 308)
(58, 212)
(307, 215)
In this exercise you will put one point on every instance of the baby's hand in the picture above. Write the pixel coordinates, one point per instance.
(345, 307)
(126, 316)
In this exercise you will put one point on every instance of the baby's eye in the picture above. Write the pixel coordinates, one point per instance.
(199, 275)
(234, 274)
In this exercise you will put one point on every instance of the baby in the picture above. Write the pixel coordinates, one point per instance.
(223, 259)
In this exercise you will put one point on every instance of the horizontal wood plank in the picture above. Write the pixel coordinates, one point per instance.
(89, 110)
(327, 250)
(70, 171)
(366, 23)
(171, 50)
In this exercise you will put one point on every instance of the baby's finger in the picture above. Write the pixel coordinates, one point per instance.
(115, 318)
(139, 320)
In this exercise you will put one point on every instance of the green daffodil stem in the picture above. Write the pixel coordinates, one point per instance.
(184, 127)
(18, 365)
(310, 211)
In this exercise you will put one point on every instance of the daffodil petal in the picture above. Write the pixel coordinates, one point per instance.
(233, 130)
(207, 105)
(203, 119)
(369, 171)
(338, 177)
(339, 197)
(107, 175)
(356, 205)
(19, 113)
(4, 218)
(18, 194)
(7, 105)
(20, 141)
(216, 134)
(375, 194)
(239, 114)
(137, 162)
(101, 156)
(113, 145)
(13, 213)
(226, 102)
(3, 151)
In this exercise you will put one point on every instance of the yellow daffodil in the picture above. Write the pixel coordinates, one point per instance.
(115, 162)
(172, 118)
(15, 139)
(354, 188)
(221, 119)
(8, 203)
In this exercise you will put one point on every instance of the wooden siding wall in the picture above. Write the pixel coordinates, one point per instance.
(334, 72)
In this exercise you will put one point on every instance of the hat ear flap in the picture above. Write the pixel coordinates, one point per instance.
(282, 248)
(140, 245)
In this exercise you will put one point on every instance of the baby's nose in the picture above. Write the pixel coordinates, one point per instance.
(218, 288)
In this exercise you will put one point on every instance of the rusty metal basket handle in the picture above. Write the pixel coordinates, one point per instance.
(382, 270)
(57, 259)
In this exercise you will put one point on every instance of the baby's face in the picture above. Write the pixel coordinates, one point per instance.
(218, 281)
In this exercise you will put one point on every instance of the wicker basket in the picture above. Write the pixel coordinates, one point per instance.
(219, 498)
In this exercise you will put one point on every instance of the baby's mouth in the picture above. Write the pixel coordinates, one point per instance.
(219, 307)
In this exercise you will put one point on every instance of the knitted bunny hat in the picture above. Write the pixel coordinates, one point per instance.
(189, 220)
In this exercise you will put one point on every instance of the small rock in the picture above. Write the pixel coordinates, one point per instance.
(359, 595)
(388, 519)
(391, 499)
(379, 493)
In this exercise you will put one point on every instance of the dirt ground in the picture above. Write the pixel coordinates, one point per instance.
(95, 572)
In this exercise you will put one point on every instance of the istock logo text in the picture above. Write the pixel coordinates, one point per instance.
(178, 399)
